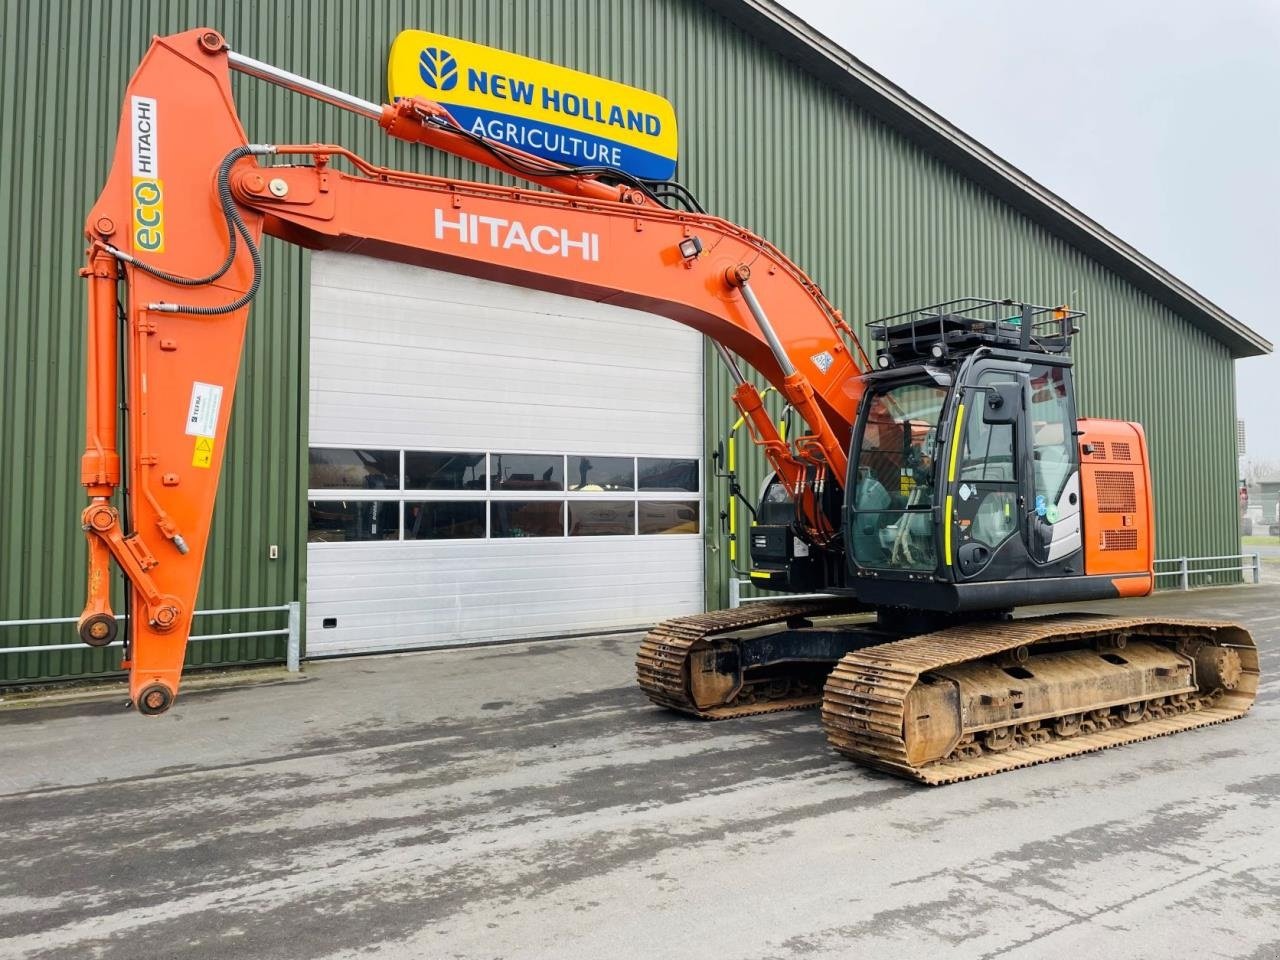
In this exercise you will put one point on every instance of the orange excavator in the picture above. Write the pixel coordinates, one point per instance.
(931, 492)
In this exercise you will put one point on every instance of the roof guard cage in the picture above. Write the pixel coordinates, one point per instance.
(955, 328)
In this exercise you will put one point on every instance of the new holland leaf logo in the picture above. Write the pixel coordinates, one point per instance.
(438, 68)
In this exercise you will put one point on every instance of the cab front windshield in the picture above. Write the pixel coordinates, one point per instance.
(896, 474)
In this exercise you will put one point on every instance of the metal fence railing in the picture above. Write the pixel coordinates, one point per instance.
(1186, 569)
(292, 631)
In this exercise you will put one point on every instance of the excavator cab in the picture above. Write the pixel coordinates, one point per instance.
(972, 486)
(964, 470)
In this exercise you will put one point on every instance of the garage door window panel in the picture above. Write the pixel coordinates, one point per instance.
(527, 518)
(349, 521)
(340, 468)
(668, 517)
(445, 520)
(527, 471)
(443, 495)
(668, 475)
(444, 470)
(602, 518)
(602, 474)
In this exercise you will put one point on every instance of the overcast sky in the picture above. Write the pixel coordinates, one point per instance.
(1158, 118)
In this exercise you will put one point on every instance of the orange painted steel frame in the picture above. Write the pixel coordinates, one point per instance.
(160, 205)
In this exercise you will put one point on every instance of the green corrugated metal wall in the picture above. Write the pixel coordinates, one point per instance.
(879, 223)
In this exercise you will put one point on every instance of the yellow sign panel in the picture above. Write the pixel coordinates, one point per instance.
(202, 456)
(574, 118)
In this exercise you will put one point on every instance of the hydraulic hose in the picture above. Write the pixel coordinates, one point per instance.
(235, 227)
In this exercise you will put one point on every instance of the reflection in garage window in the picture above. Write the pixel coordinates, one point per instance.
(443, 471)
(668, 475)
(346, 521)
(340, 469)
(528, 518)
(444, 519)
(597, 474)
(602, 518)
(664, 516)
(527, 471)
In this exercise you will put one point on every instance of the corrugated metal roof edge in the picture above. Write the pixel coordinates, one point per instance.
(815, 53)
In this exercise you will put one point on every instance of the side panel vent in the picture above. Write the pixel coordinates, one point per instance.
(1116, 491)
(1120, 450)
(1119, 539)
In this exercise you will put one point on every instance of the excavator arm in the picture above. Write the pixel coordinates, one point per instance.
(177, 230)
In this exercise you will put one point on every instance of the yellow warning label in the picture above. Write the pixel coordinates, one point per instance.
(203, 455)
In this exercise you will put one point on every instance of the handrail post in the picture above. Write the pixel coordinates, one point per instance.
(735, 592)
(293, 649)
(1186, 578)
(1257, 568)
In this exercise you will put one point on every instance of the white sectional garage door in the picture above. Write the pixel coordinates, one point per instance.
(489, 462)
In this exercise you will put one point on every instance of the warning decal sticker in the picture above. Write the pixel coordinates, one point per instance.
(202, 456)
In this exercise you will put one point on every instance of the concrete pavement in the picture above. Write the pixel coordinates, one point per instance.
(526, 801)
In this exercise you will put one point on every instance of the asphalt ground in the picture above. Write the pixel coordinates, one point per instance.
(527, 801)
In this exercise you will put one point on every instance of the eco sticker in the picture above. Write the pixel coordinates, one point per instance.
(1041, 507)
(202, 455)
(148, 189)
(202, 414)
(1051, 514)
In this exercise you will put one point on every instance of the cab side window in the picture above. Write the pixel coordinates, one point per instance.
(1052, 431)
(987, 478)
(987, 452)
(893, 523)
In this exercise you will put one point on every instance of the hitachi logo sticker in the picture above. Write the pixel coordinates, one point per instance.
(148, 191)
(143, 125)
(502, 234)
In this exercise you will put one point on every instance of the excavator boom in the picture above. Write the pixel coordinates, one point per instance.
(180, 220)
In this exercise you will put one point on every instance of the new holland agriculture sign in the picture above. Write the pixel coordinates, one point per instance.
(551, 111)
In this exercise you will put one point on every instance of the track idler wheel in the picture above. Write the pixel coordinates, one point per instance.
(98, 630)
(1217, 667)
(154, 699)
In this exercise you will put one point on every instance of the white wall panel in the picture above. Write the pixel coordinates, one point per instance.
(403, 357)
(402, 595)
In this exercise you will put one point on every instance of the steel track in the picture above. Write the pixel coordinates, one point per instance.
(864, 697)
(663, 661)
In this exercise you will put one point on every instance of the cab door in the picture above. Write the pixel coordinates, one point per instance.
(986, 482)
